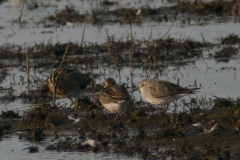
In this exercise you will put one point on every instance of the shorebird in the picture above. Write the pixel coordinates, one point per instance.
(162, 92)
(68, 83)
(114, 97)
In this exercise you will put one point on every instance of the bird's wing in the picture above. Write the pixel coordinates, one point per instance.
(83, 80)
(71, 79)
(165, 89)
(114, 94)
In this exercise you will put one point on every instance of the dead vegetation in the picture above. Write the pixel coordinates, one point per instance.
(226, 53)
(69, 14)
(143, 131)
(231, 39)
(39, 119)
(183, 11)
(138, 132)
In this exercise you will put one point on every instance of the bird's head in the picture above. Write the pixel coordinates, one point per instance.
(110, 82)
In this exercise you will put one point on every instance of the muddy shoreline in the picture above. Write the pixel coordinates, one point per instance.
(139, 132)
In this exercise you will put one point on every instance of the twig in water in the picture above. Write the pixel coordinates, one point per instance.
(54, 91)
(108, 41)
(27, 68)
(150, 36)
(20, 17)
(132, 34)
(64, 56)
(215, 96)
(83, 32)
(12, 30)
(130, 68)
(167, 31)
(56, 84)
(203, 38)
(235, 127)
(7, 39)
(109, 50)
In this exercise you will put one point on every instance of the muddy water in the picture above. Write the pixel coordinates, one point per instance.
(14, 148)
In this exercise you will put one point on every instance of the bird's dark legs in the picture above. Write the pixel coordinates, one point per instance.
(71, 102)
(77, 105)
(165, 107)
(175, 107)
(117, 116)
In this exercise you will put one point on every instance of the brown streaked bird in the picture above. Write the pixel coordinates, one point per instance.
(69, 83)
(162, 92)
(114, 97)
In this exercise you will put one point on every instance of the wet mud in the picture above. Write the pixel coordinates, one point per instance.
(114, 52)
(144, 130)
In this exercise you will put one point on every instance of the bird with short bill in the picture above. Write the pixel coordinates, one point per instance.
(114, 97)
(162, 92)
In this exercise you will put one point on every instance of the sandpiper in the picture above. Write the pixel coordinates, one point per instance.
(162, 92)
(69, 83)
(114, 97)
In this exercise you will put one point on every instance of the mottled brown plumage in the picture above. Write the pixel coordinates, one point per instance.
(162, 92)
(69, 82)
(114, 97)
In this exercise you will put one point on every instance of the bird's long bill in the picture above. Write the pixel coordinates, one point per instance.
(136, 89)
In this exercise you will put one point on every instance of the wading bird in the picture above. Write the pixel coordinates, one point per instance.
(114, 97)
(162, 92)
(68, 83)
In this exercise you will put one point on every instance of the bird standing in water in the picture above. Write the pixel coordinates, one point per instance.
(68, 83)
(114, 97)
(162, 92)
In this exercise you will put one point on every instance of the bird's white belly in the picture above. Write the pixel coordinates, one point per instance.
(116, 107)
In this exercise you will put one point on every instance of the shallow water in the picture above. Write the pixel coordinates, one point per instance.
(12, 33)
(12, 147)
(214, 78)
